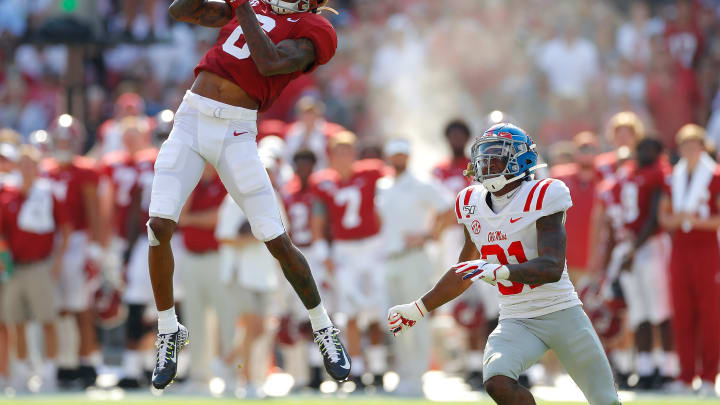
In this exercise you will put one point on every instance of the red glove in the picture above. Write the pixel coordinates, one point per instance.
(234, 4)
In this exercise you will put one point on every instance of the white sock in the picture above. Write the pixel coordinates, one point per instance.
(358, 366)
(377, 359)
(622, 360)
(167, 321)
(132, 364)
(669, 365)
(644, 364)
(475, 360)
(95, 359)
(319, 318)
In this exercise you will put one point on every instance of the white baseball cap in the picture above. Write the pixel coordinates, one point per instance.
(397, 146)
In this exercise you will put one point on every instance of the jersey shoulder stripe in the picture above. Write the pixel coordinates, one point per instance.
(530, 196)
(541, 196)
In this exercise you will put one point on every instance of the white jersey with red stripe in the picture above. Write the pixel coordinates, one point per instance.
(510, 237)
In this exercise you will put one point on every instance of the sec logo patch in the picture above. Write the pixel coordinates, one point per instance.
(475, 226)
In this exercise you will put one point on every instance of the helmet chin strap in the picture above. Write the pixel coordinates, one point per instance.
(495, 184)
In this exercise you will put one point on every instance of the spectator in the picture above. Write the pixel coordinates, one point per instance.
(579, 67)
(413, 212)
(201, 274)
(683, 36)
(31, 218)
(673, 96)
(690, 210)
(633, 37)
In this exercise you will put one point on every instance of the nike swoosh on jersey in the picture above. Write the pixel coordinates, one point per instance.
(236, 133)
(513, 220)
(291, 20)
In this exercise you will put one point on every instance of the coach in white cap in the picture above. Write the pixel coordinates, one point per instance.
(413, 211)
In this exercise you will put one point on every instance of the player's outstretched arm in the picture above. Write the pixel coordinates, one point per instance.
(288, 56)
(208, 13)
(450, 286)
(549, 265)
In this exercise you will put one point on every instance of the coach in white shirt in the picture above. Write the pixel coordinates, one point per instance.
(413, 211)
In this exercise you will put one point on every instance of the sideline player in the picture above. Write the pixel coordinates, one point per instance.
(261, 47)
(513, 218)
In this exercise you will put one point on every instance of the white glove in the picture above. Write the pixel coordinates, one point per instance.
(403, 317)
(480, 269)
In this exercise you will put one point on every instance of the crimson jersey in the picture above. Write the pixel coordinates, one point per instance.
(230, 56)
(34, 240)
(577, 224)
(350, 203)
(298, 204)
(68, 183)
(207, 195)
(130, 177)
(633, 193)
(450, 173)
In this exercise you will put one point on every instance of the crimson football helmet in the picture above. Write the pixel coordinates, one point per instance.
(469, 314)
(299, 6)
(66, 137)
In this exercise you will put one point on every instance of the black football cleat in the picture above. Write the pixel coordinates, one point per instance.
(169, 345)
(337, 362)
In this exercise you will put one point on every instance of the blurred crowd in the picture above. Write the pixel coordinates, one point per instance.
(613, 92)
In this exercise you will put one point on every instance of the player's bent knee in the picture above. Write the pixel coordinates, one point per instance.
(160, 230)
(499, 386)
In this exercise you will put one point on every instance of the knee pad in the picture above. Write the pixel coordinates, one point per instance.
(152, 240)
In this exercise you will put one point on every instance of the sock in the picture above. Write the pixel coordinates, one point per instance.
(132, 364)
(94, 359)
(669, 364)
(315, 359)
(644, 364)
(622, 360)
(167, 321)
(358, 366)
(475, 360)
(319, 318)
(377, 359)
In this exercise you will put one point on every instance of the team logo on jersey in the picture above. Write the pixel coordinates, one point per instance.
(469, 209)
(475, 226)
(496, 236)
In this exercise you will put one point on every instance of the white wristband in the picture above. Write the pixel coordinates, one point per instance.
(421, 307)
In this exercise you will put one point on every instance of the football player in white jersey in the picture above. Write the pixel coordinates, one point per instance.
(515, 240)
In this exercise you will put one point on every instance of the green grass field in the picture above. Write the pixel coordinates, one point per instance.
(63, 400)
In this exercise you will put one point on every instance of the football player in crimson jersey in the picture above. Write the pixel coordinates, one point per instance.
(642, 252)
(515, 240)
(261, 47)
(75, 181)
(345, 203)
(690, 209)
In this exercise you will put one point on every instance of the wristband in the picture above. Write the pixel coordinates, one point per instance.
(234, 4)
(421, 307)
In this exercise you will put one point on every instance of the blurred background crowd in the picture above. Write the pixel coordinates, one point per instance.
(87, 94)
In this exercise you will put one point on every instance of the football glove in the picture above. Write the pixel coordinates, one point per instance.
(234, 4)
(480, 269)
(404, 317)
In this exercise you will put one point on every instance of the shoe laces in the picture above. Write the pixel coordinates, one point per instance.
(325, 338)
(166, 349)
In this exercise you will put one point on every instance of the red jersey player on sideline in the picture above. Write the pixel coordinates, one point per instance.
(346, 202)
(75, 182)
(261, 47)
